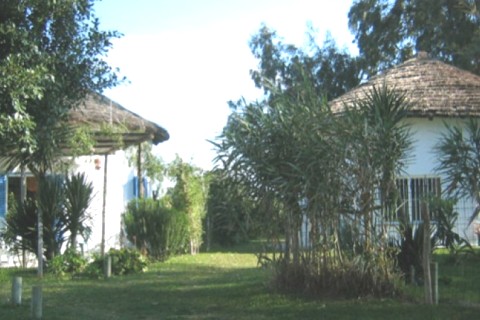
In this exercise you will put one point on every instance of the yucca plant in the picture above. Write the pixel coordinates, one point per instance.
(20, 230)
(78, 196)
(51, 201)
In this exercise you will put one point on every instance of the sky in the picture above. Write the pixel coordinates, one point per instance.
(185, 59)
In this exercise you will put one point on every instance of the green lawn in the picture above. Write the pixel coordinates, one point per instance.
(224, 285)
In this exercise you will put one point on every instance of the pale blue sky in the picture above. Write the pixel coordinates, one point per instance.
(185, 59)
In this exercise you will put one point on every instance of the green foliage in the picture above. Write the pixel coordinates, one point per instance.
(389, 32)
(231, 214)
(124, 262)
(153, 166)
(189, 196)
(51, 202)
(301, 162)
(20, 231)
(156, 228)
(69, 263)
(51, 57)
(445, 218)
(127, 261)
(94, 269)
(82, 141)
(331, 70)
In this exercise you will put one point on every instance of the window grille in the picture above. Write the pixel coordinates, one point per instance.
(413, 194)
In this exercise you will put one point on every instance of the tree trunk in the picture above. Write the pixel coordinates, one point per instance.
(426, 257)
(73, 240)
(365, 203)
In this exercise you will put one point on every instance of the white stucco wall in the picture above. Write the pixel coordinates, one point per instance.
(119, 192)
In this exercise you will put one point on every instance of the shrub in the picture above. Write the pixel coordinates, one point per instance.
(127, 261)
(94, 269)
(70, 262)
(124, 261)
(155, 228)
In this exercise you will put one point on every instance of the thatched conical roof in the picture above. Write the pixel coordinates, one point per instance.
(435, 89)
(101, 114)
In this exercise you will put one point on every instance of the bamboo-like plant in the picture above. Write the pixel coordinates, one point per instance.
(308, 163)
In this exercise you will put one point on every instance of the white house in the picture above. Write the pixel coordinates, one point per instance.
(439, 93)
(114, 128)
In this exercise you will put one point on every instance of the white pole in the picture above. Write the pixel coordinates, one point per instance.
(17, 291)
(37, 301)
(102, 248)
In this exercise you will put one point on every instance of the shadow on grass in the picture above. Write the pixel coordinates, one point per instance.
(253, 247)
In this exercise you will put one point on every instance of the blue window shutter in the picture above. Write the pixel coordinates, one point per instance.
(146, 191)
(135, 187)
(3, 196)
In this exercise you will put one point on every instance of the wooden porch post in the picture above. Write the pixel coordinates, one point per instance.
(23, 197)
(40, 242)
(105, 171)
(141, 191)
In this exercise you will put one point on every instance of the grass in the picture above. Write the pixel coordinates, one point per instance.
(225, 285)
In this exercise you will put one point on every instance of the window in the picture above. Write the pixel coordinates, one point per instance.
(413, 193)
(14, 187)
(10, 185)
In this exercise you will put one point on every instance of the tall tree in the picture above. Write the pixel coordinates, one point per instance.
(331, 70)
(389, 32)
(50, 59)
